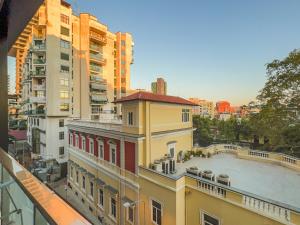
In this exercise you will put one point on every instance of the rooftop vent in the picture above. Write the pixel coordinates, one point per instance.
(223, 179)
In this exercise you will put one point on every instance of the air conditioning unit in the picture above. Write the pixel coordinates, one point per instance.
(193, 170)
(223, 179)
(157, 166)
(208, 175)
(165, 167)
(172, 165)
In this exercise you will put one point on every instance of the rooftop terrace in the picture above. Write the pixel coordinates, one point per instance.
(268, 180)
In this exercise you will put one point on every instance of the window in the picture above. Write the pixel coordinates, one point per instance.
(64, 69)
(123, 43)
(83, 143)
(209, 220)
(113, 207)
(91, 146)
(64, 82)
(77, 177)
(64, 107)
(101, 149)
(101, 198)
(76, 141)
(130, 214)
(64, 31)
(64, 56)
(64, 94)
(123, 52)
(156, 212)
(122, 62)
(113, 154)
(71, 139)
(64, 18)
(83, 182)
(92, 189)
(64, 44)
(61, 150)
(71, 172)
(61, 135)
(61, 123)
(130, 118)
(185, 115)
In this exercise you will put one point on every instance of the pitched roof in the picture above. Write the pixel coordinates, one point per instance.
(147, 96)
(18, 134)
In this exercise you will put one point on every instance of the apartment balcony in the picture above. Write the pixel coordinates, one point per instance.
(26, 201)
(39, 87)
(101, 39)
(99, 99)
(98, 87)
(95, 48)
(35, 99)
(39, 61)
(38, 73)
(35, 112)
(98, 58)
(96, 69)
(39, 47)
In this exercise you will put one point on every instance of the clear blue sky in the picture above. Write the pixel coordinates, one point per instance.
(212, 49)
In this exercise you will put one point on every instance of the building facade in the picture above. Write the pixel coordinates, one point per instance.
(72, 66)
(126, 172)
(203, 108)
(159, 86)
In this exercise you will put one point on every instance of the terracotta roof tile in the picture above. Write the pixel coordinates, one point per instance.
(147, 96)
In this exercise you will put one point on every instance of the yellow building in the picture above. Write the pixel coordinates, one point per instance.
(203, 107)
(128, 171)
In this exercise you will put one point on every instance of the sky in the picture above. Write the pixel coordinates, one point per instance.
(211, 49)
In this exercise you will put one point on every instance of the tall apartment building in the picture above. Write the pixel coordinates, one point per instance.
(203, 108)
(73, 67)
(159, 86)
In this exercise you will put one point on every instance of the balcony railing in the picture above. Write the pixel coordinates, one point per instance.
(35, 99)
(98, 37)
(98, 58)
(39, 87)
(95, 47)
(39, 61)
(35, 112)
(27, 201)
(95, 68)
(38, 73)
(39, 47)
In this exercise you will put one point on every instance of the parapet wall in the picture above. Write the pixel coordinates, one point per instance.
(247, 153)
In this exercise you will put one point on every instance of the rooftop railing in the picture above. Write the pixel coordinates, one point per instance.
(27, 201)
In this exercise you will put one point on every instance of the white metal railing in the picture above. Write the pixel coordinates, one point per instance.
(267, 208)
(41, 99)
(39, 87)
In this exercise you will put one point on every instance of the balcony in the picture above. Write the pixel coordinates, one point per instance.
(35, 112)
(98, 99)
(39, 87)
(39, 61)
(39, 47)
(98, 87)
(95, 48)
(40, 99)
(98, 38)
(97, 58)
(38, 73)
(95, 68)
(28, 201)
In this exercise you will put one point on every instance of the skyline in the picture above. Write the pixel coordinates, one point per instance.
(210, 67)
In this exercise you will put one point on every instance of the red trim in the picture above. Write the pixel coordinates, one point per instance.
(130, 158)
(80, 141)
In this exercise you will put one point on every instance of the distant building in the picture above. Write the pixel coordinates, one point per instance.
(159, 87)
(203, 108)
(223, 107)
(13, 106)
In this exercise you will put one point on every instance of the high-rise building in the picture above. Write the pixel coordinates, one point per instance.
(159, 86)
(203, 108)
(73, 66)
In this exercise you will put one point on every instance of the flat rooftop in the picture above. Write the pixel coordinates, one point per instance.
(264, 179)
